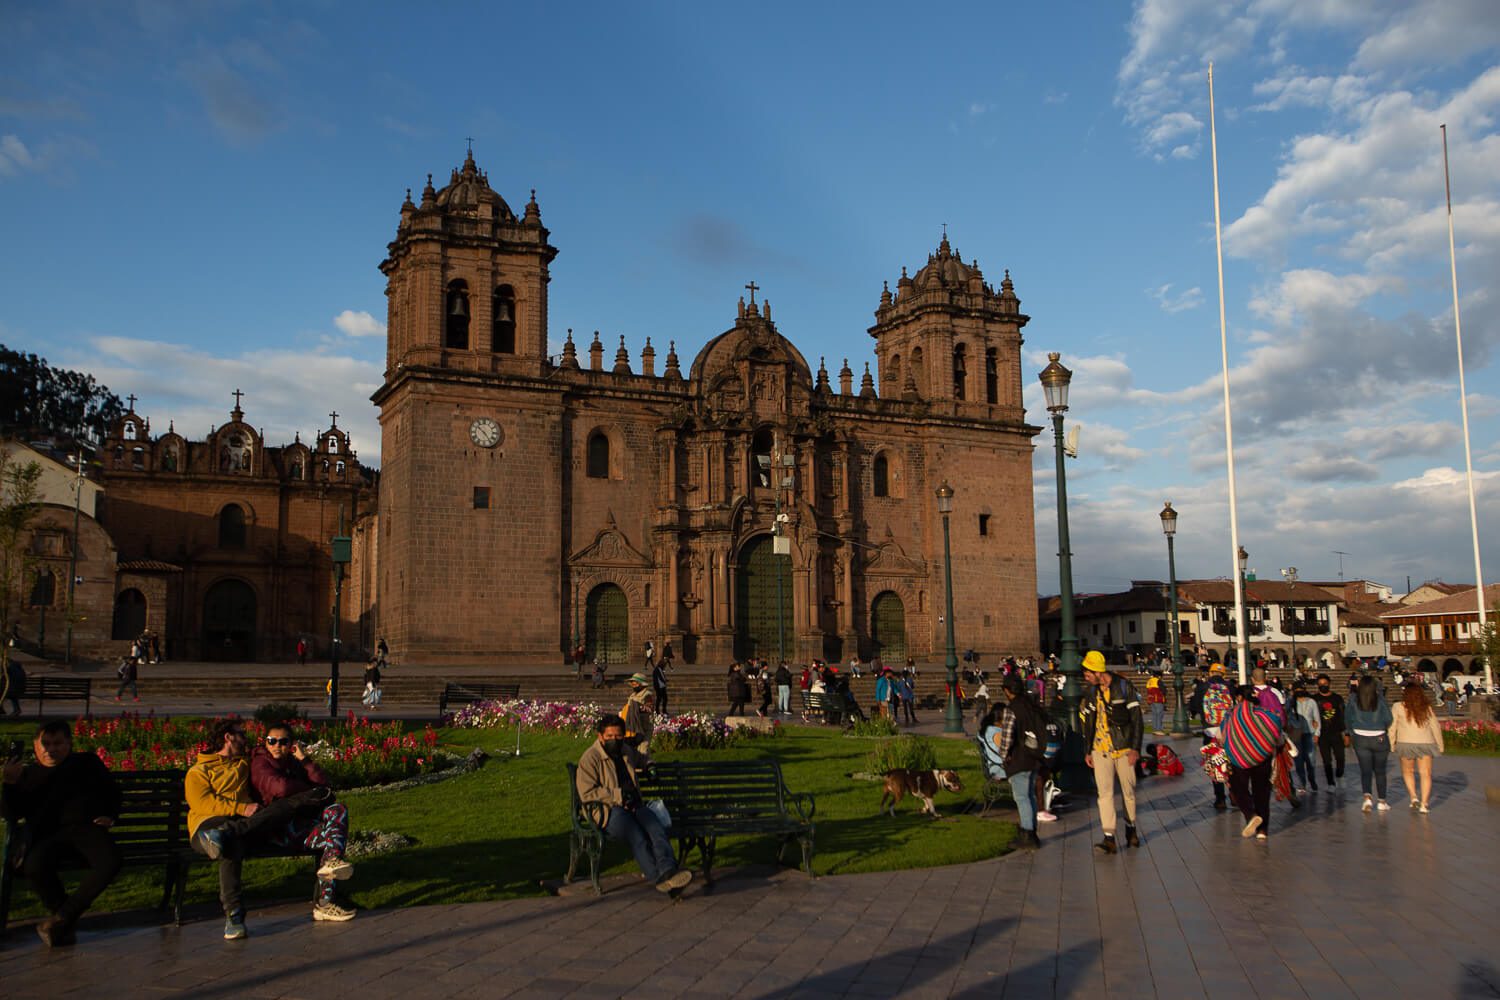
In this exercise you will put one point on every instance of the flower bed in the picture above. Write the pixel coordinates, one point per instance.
(1475, 736)
(354, 751)
(687, 731)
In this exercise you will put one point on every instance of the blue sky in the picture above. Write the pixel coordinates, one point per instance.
(196, 197)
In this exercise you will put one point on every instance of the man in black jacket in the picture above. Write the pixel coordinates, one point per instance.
(68, 802)
(1110, 721)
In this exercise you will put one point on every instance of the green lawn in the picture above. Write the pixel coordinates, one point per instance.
(498, 832)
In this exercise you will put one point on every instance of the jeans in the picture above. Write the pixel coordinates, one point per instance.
(1250, 788)
(1373, 754)
(133, 692)
(46, 856)
(643, 832)
(661, 702)
(1023, 790)
(1158, 709)
(1332, 748)
(784, 699)
(1307, 768)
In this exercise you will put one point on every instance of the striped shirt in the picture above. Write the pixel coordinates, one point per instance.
(1251, 735)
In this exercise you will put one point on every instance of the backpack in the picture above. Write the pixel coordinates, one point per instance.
(1029, 748)
(1216, 704)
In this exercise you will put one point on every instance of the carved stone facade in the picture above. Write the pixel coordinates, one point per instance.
(528, 502)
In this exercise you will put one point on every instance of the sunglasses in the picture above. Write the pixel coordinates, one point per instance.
(276, 741)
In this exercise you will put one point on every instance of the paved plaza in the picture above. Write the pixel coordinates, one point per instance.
(1338, 904)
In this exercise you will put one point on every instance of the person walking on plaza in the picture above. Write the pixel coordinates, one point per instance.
(981, 699)
(371, 697)
(128, 672)
(1416, 738)
(302, 652)
(659, 684)
(1304, 713)
(1110, 720)
(607, 776)
(783, 689)
(1156, 698)
(882, 693)
(1331, 738)
(1251, 737)
(12, 684)
(68, 801)
(906, 691)
(1015, 740)
(639, 713)
(738, 690)
(1369, 720)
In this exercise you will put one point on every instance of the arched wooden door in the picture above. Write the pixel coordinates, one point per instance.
(888, 628)
(761, 620)
(607, 625)
(130, 614)
(229, 622)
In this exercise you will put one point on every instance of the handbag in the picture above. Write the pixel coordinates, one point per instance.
(658, 808)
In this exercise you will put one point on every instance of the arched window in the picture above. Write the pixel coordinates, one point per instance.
(895, 373)
(232, 527)
(760, 456)
(598, 455)
(882, 476)
(960, 371)
(138, 457)
(338, 469)
(456, 316)
(991, 376)
(44, 590)
(129, 430)
(505, 320)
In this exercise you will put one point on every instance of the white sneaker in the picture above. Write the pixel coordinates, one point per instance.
(332, 911)
(336, 869)
(1046, 817)
(1369, 804)
(1383, 806)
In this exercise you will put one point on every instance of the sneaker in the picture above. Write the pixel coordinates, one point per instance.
(1423, 809)
(1413, 804)
(1046, 817)
(1107, 845)
(1383, 806)
(234, 927)
(329, 910)
(674, 880)
(1261, 837)
(1251, 827)
(335, 868)
(55, 932)
(213, 844)
(1368, 805)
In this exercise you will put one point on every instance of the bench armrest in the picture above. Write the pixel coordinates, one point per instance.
(594, 814)
(803, 804)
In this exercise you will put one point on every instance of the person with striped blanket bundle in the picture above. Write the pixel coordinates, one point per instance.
(1251, 737)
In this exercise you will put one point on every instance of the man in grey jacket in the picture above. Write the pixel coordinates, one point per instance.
(606, 775)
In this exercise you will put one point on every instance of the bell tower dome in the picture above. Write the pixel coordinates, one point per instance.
(466, 280)
(948, 335)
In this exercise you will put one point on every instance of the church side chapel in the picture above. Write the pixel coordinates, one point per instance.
(743, 504)
(223, 540)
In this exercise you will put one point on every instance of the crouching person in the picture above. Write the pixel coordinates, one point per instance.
(68, 802)
(282, 772)
(606, 775)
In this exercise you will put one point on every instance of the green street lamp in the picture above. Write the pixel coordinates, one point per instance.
(953, 717)
(342, 553)
(1055, 379)
(1169, 528)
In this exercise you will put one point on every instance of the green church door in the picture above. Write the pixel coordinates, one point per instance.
(229, 622)
(758, 622)
(607, 625)
(888, 629)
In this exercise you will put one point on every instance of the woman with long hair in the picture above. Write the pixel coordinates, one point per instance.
(1368, 719)
(1416, 738)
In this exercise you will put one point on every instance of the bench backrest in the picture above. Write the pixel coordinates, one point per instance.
(58, 686)
(479, 692)
(735, 789)
(152, 825)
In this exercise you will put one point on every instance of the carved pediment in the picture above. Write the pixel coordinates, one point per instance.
(890, 559)
(610, 547)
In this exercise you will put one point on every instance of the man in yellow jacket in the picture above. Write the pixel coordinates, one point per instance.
(218, 792)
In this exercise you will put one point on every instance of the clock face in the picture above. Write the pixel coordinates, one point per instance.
(485, 432)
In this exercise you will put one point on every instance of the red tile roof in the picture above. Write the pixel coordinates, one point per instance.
(1463, 603)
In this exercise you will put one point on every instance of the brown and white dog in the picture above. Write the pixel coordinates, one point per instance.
(922, 784)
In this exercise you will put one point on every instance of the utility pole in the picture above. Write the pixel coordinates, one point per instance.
(342, 551)
(73, 554)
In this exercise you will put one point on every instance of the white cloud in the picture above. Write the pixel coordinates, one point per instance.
(1428, 32)
(359, 324)
(1181, 302)
(15, 157)
(1443, 479)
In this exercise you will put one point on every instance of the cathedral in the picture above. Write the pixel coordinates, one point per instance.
(745, 504)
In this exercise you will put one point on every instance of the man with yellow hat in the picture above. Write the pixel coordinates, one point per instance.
(1110, 721)
(639, 713)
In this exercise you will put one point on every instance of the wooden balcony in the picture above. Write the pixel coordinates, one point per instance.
(1433, 647)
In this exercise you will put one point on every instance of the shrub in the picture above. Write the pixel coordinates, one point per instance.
(914, 753)
(275, 711)
(1483, 737)
(686, 731)
(876, 725)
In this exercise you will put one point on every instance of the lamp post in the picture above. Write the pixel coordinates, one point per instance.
(953, 718)
(1242, 639)
(1055, 379)
(73, 555)
(1169, 528)
(342, 555)
(1295, 624)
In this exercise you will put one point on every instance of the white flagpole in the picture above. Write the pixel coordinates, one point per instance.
(1463, 399)
(1240, 632)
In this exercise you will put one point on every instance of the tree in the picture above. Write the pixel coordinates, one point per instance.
(18, 508)
(35, 397)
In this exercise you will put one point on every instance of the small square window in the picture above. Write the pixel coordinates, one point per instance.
(481, 498)
(984, 524)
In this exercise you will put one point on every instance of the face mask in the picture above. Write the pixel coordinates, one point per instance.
(1324, 688)
(614, 747)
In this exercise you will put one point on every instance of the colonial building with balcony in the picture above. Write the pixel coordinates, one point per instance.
(1136, 621)
(1440, 634)
(1288, 622)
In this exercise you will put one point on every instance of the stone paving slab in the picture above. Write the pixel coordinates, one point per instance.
(1337, 904)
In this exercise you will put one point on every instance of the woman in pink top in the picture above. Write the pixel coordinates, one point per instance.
(1416, 738)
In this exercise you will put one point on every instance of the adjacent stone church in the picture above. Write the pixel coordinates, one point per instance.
(529, 502)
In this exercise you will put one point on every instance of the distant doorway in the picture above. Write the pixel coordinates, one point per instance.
(762, 623)
(607, 625)
(229, 622)
(130, 614)
(888, 629)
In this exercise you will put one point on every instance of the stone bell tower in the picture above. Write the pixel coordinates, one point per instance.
(466, 280)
